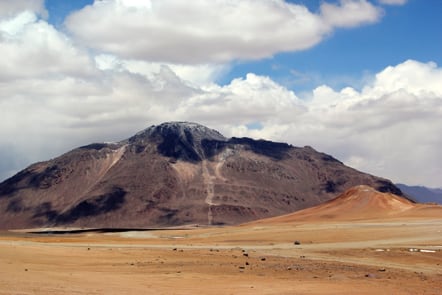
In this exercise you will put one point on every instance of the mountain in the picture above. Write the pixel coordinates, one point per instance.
(359, 203)
(422, 194)
(175, 173)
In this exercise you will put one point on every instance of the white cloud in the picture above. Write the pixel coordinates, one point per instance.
(11, 8)
(390, 128)
(410, 76)
(200, 74)
(30, 48)
(243, 101)
(201, 32)
(350, 13)
(393, 2)
(13, 26)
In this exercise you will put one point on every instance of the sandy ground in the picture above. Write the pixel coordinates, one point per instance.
(334, 257)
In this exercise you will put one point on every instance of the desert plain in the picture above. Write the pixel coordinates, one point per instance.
(359, 243)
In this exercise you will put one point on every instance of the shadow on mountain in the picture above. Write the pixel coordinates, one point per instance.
(9, 186)
(185, 148)
(385, 186)
(275, 150)
(29, 179)
(92, 207)
(182, 148)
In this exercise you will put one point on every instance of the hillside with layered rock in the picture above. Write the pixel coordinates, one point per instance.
(172, 174)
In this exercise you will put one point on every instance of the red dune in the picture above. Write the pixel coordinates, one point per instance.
(361, 203)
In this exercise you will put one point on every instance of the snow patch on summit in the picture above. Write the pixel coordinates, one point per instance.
(198, 131)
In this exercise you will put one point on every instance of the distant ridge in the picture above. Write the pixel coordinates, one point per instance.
(422, 194)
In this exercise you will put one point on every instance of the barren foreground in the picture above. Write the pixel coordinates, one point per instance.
(334, 257)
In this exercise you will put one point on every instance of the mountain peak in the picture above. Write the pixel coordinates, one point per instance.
(183, 140)
(181, 129)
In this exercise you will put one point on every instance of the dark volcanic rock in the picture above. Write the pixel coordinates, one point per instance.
(172, 174)
(180, 140)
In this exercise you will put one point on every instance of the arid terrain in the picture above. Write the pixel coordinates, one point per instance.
(396, 251)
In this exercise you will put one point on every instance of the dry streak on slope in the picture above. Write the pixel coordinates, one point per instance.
(103, 166)
(210, 190)
(187, 172)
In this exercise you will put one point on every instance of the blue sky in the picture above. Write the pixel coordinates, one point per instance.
(358, 79)
(59, 9)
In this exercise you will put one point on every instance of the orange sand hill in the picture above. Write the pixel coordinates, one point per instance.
(361, 203)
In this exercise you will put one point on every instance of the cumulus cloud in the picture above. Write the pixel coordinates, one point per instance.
(199, 32)
(243, 101)
(389, 128)
(30, 48)
(350, 13)
(200, 74)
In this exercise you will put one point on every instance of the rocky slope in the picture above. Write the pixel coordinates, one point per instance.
(174, 174)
